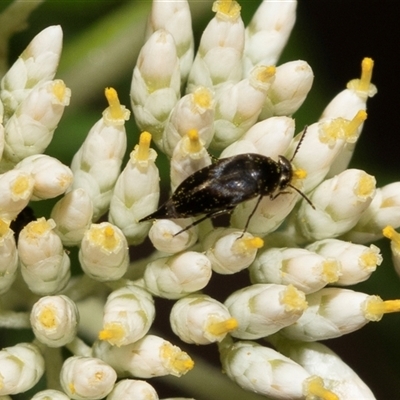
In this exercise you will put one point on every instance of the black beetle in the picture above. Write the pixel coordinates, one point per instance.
(220, 187)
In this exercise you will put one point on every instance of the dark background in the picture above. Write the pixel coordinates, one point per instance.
(333, 36)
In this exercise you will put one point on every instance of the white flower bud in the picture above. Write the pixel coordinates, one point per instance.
(320, 145)
(148, 357)
(136, 192)
(175, 18)
(162, 236)
(128, 315)
(346, 105)
(37, 64)
(293, 81)
(104, 253)
(189, 156)
(384, 210)
(200, 319)
(132, 389)
(304, 269)
(156, 82)
(339, 203)
(195, 111)
(8, 257)
(333, 312)
(176, 276)
(268, 32)
(73, 216)
(16, 188)
(97, 163)
(317, 359)
(265, 371)
(270, 137)
(358, 262)
(50, 394)
(268, 216)
(45, 266)
(218, 60)
(21, 367)
(230, 250)
(239, 105)
(54, 320)
(30, 129)
(286, 304)
(52, 178)
(87, 378)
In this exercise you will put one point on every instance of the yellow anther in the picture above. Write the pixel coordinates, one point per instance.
(351, 129)
(104, 237)
(4, 228)
(247, 244)
(364, 85)
(222, 327)
(265, 73)
(113, 333)
(144, 146)
(195, 144)
(299, 174)
(374, 307)
(367, 65)
(315, 388)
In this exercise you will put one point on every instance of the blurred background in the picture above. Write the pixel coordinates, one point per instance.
(101, 43)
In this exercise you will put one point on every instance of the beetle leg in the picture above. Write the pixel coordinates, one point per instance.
(251, 214)
(209, 215)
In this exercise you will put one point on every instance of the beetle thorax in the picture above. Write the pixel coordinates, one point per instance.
(286, 172)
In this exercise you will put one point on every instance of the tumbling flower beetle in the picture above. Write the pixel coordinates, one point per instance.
(218, 188)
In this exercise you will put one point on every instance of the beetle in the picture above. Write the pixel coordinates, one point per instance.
(218, 188)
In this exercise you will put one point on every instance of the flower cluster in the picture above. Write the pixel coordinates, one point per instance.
(301, 252)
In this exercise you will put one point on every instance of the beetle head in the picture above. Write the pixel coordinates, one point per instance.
(286, 172)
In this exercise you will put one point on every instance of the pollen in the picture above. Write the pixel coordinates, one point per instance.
(227, 9)
(105, 237)
(47, 317)
(178, 360)
(370, 258)
(202, 97)
(59, 89)
(20, 188)
(365, 187)
(293, 299)
(40, 227)
(264, 74)
(245, 245)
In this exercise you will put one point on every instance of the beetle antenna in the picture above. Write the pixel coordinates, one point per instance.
(302, 195)
(298, 144)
